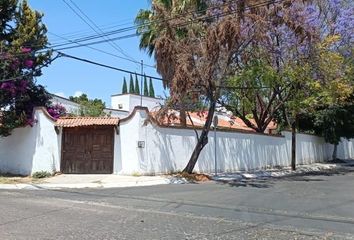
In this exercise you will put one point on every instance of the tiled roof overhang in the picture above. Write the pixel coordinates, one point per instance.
(86, 121)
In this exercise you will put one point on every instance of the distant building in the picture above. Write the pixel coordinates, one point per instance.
(128, 101)
(70, 106)
(74, 108)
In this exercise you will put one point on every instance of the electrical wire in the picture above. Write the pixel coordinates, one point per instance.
(94, 27)
(128, 36)
(61, 54)
(113, 44)
(106, 66)
(172, 18)
(99, 50)
(143, 75)
(180, 25)
(56, 47)
(31, 72)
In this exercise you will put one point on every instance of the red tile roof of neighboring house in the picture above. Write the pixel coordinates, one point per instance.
(86, 121)
(225, 121)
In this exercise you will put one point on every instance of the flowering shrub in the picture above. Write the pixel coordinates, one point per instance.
(56, 110)
(20, 62)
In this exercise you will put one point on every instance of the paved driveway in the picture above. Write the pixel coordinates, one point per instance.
(302, 207)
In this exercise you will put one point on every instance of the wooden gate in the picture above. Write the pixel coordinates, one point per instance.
(87, 150)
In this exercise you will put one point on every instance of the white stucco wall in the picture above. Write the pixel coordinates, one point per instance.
(345, 149)
(31, 149)
(129, 135)
(169, 149)
(309, 148)
(37, 148)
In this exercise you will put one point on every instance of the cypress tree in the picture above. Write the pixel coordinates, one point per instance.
(146, 90)
(131, 85)
(137, 89)
(124, 88)
(151, 89)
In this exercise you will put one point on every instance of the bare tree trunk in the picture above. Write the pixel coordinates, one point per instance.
(203, 139)
(293, 146)
(183, 116)
(334, 154)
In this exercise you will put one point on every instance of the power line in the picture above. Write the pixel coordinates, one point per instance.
(91, 37)
(61, 54)
(55, 47)
(176, 26)
(92, 27)
(113, 44)
(97, 42)
(82, 33)
(175, 17)
(97, 49)
(142, 75)
(128, 36)
(31, 72)
(84, 45)
(106, 66)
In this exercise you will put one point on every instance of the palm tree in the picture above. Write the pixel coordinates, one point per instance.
(148, 23)
(146, 31)
(150, 27)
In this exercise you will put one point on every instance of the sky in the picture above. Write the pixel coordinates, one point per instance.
(68, 77)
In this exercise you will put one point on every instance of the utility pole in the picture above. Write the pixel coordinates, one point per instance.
(141, 83)
(215, 123)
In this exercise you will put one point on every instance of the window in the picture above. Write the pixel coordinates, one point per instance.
(120, 106)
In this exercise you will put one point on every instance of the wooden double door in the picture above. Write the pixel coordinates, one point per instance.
(88, 150)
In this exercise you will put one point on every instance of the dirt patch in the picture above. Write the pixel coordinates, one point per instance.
(195, 177)
(16, 179)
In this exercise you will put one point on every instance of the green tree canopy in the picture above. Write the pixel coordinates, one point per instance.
(22, 35)
(89, 107)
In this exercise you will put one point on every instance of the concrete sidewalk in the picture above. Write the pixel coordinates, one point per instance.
(301, 170)
(91, 181)
(119, 181)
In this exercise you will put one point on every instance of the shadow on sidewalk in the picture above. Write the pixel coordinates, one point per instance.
(341, 168)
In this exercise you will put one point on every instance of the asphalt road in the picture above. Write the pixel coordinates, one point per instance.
(303, 207)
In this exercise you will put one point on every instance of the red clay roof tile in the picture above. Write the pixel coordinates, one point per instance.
(225, 121)
(86, 121)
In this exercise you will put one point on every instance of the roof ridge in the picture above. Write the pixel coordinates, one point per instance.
(87, 117)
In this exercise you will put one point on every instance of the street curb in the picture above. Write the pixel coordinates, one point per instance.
(82, 185)
(222, 178)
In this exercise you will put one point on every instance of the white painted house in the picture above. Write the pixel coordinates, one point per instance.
(127, 102)
(121, 104)
(70, 106)
(138, 143)
(74, 108)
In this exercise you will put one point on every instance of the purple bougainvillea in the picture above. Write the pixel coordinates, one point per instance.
(56, 110)
(28, 63)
